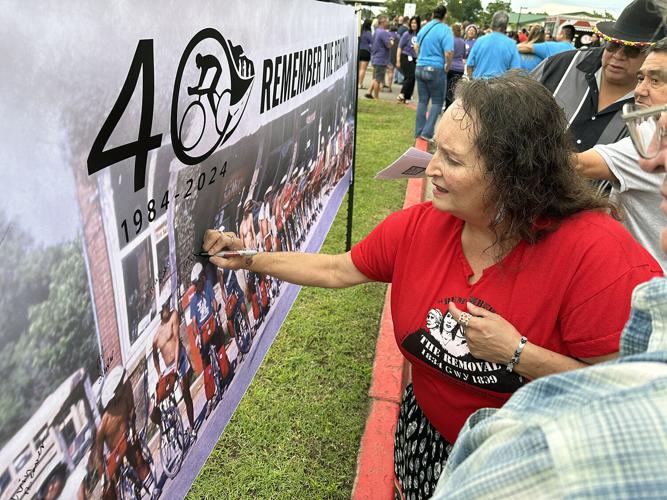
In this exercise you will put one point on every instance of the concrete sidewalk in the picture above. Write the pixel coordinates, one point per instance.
(386, 95)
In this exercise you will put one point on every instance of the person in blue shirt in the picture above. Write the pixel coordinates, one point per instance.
(435, 48)
(548, 49)
(495, 53)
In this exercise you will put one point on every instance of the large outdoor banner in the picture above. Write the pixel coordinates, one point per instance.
(128, 129)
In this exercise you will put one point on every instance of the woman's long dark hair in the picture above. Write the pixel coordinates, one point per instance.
(522, 137)
(366, 25)
(419, 24)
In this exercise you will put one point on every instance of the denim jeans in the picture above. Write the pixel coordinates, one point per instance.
(431, 85)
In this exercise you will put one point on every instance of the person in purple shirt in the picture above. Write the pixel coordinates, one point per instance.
(380, 49)
(457, 66)
(406, 59)
(365, 43)
(548, 49)
(470, 38)
(393, 51)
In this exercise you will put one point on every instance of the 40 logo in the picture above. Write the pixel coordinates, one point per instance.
(217, 79)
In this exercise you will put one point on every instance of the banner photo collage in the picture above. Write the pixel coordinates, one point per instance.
(128, 131)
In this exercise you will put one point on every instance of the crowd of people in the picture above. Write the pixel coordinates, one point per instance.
(436, 55)
(512, 288)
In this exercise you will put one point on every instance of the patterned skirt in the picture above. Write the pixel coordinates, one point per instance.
(420, 452)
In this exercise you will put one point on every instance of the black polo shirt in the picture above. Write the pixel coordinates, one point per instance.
(570, 76)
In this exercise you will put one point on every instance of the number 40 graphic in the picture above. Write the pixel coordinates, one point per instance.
(98, 159)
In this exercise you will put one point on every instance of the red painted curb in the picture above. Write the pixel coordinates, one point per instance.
(375, 462)
(375, 469)
(389, 363)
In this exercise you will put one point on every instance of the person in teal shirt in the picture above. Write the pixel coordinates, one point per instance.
(495, 53)
(548, 49)
(435, 48)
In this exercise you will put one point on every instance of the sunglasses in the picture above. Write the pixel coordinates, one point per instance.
(645, 129)
(630, 51)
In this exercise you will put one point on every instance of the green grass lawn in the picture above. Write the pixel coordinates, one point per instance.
(296, 432)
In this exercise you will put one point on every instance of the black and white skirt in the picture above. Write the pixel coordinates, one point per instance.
(420, 452)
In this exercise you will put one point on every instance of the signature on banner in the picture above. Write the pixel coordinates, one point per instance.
(28, 475)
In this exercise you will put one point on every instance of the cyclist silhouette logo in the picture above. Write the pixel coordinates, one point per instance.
(215, 79)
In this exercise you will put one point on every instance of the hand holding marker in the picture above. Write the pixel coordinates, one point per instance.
(225, 254)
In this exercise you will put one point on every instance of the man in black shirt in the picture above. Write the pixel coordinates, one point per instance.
(593, 85)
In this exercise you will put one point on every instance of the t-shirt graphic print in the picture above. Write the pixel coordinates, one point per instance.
(442, 345)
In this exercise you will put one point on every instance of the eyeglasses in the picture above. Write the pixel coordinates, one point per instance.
(631, 51)
(645, 128)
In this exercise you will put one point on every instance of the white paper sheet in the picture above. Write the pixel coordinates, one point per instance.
(411, 164)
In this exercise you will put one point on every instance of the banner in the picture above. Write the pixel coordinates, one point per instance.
(128, 130)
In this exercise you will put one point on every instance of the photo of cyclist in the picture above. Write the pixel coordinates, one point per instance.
(254, 286)
(118, 432)
(202, 308)
(266, 222)
(167, 343)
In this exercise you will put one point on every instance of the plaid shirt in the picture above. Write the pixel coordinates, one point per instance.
(597, 432)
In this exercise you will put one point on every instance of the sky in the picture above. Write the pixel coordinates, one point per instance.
(560, 6)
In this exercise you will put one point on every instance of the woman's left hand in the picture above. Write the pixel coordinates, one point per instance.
(490, 337)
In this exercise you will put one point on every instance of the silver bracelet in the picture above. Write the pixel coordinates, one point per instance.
(517, 354)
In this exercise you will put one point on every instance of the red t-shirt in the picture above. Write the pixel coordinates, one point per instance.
(569, 292)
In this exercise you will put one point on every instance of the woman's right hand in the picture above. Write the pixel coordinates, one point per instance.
(217, 241)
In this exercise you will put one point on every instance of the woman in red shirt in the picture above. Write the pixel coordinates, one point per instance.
(515, 270)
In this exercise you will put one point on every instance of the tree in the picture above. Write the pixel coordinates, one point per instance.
(395, 8)
(61, 337)
(492, 8)
(48, 330)
(464, 10)
(457, 10)
(606, 15)
(20, 285)
(367, 13)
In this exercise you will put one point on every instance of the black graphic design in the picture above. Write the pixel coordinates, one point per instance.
(414, 171)
(443, 346)
(99, 158)
(214, 68)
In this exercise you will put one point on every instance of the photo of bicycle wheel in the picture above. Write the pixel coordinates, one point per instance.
(172, 442)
